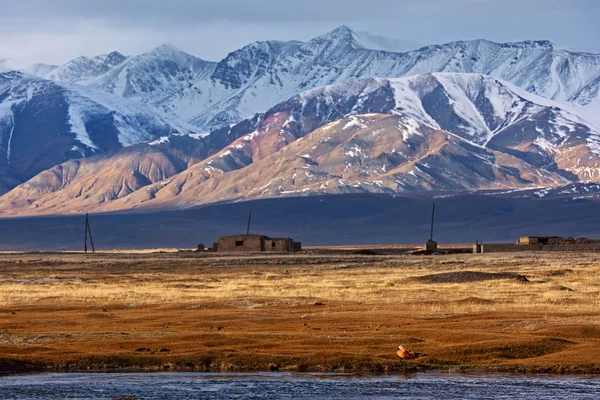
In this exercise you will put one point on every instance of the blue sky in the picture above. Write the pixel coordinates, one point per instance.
(54, 31)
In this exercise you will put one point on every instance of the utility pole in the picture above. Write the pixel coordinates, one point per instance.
(91, 238)
(249, 219)
(431, 245)
(88, 229)
(432, 218)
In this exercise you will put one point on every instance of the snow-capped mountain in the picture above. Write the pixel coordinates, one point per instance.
(263, 74)
(480, 109)
(484, 115)
(258, 76)
(43, 123)
(431, 132)
(81, 69)
(165, 77)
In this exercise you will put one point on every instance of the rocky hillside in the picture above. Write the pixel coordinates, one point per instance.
(43, 123)
(432, 132)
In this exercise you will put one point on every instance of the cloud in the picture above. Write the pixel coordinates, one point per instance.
(56, 30)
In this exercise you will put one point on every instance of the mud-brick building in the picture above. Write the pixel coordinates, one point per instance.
(529, 240)
(251, 243)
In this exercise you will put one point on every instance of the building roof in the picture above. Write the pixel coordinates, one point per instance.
(260, 236)
(238, 236)
(540, 237)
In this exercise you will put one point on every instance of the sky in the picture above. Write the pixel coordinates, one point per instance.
(55, 31)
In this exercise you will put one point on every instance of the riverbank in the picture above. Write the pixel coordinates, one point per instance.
(334, 312)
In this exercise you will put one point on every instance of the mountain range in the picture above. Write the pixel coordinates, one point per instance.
(344, 114)
(431, 132)
(256, 77)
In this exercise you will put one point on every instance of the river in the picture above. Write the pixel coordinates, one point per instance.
(296, 386)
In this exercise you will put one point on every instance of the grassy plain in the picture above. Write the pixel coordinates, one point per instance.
(318, 311)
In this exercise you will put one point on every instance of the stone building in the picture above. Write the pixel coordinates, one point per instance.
(252, 243)
(529, 240)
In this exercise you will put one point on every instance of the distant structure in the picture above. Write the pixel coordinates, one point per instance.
(529, 240)
(431, 245)
(256, 243)
(539, 243)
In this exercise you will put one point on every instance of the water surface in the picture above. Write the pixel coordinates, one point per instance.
(296, 386)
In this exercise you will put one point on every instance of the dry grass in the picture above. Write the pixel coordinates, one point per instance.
(362, 296)
(179, 280)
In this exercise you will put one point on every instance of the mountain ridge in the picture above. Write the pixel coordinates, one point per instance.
(420, 133)
(261, 74)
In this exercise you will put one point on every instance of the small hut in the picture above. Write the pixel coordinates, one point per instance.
(256, 243)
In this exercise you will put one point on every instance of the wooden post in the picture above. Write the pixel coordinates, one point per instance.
(432, 217)
(249, 219)
(86, 232)
(91, 238)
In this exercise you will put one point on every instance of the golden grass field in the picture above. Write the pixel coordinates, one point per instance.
(316, 311)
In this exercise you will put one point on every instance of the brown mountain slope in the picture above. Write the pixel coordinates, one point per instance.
(372, 153)
(369, 153)
(86, 183)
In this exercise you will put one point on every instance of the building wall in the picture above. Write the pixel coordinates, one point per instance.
(508, 247)
(525, 241)
(528, 240)
(241, 243)
(251, 243)
(278, 245)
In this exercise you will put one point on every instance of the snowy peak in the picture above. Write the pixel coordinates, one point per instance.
(111, 59)
(262, 74)
(257, 76)
(82, 69)
(340, 38)
(252, 61)
(158, 77)
(344, 36)
(340, 33)
(168, 51)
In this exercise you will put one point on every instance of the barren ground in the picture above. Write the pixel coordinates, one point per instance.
(320, 311)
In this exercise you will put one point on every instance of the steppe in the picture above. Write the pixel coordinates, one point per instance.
(320, 310)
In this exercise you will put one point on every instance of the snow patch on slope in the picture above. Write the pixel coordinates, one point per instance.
(77, 123)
